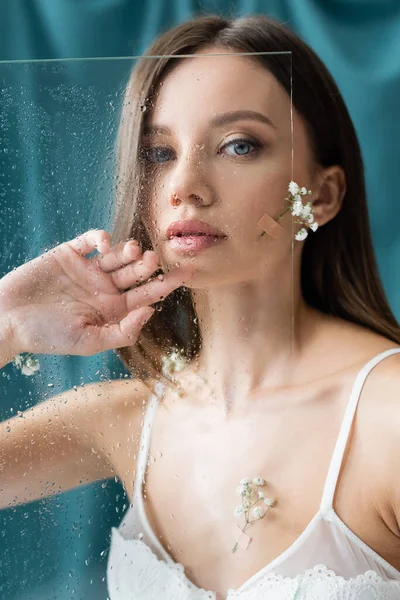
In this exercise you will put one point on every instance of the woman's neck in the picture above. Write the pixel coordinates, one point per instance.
(251, 340)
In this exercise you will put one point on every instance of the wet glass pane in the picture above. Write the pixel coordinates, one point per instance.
(208, 168)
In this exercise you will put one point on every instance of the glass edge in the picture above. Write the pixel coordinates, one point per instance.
(135, 57)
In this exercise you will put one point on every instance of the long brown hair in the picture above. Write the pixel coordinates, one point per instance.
(339, 275)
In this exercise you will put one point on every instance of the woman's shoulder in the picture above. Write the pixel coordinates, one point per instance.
(117, 423)
(350, 343)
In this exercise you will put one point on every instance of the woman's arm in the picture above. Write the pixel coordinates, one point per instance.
(69, 440)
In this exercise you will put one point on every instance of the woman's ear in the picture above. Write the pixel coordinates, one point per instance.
(329, 193)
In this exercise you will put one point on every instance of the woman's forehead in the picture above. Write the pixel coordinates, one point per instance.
(208, 85)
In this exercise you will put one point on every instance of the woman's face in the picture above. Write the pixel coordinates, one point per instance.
(218, 148)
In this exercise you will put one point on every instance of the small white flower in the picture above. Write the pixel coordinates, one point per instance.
(245, 481)
(242, 490)
(293, 188)
(314, 226)
(310, 219)
(173, 362)
(269, 502)
(301, 235)
(28, 364)
(306, 210)
(297, 208)
(258, 512)
(303, 191)
(18, 361)
(239, 510)
(261, 495)
(258, 481)
(30, 368)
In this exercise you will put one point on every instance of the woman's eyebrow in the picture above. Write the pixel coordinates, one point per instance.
(241, 115)
(217, 121)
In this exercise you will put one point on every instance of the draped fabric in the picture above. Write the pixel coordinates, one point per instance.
(57, 548)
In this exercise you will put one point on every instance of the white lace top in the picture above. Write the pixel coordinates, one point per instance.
(327, 562)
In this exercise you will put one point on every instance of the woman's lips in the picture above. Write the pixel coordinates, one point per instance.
(190, 243)
(192, 227)
(192, 235)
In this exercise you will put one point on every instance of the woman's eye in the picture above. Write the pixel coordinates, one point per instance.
(240, 147)
(156, 154)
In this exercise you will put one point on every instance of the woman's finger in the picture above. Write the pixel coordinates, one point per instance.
(125, 333)
(136, 272)
(120, 255)
(157, 289)
(91, 240)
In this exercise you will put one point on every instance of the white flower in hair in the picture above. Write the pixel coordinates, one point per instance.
(173, 362)
(28, 364)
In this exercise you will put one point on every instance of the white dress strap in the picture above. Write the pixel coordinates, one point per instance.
(145, 438)
(341, 443)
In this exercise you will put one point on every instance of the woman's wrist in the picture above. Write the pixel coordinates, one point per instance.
(7, 351)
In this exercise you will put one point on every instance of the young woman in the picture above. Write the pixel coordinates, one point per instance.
(272, 458)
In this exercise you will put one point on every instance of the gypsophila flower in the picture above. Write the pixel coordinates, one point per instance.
(258, 512)
(302, 213)
(258, 481)
(173, 363)
(306, 212)
(28, 364)
(18, 361)
(239, 510)
(293, 188)
(297, 208)
(248, 490)
(310, 219)
(301, 235)
(242, 489)
(269, 502)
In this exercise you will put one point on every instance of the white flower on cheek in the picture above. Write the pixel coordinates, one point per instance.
(303, 212)
(301, 235)
(293, 188)
(297, 208)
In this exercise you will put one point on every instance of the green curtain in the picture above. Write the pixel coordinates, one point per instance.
(57, 548)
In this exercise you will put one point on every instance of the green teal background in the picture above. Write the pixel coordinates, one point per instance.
(58, 547)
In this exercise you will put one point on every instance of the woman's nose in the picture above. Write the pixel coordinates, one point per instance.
(189, 184)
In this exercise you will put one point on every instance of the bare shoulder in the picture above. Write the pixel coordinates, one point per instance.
(377, 423)
(110, 406)
(376, 435)
(115, 421)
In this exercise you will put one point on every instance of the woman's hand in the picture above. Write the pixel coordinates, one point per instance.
(64, 303)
